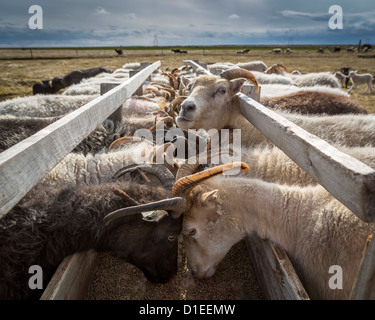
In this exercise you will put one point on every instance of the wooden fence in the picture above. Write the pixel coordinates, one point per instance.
(349, 180)
(346, 178)
(26, 163)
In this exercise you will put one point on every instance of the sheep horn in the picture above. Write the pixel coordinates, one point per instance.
(231, 74)
(124, 140)
(168, 122)
(159, 170)
(186, 183)
(190, 166)
(176, 203)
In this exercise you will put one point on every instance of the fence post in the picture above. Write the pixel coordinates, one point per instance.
(104, 88)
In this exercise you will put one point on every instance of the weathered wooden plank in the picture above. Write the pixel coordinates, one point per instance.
(274, 271)
(364, 287)
(196, 65)
(72, 278)
(116, 116)
(346, 178)
(250, 91)
(23, 165)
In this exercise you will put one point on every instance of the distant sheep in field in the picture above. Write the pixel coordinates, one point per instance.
(310, 102)
(341, 78)
(358, 79)
(296, 72)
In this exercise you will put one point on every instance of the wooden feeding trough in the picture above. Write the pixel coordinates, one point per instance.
(347, 181)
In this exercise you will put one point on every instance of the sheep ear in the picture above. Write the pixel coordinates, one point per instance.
(209, 198)
(185, 81)
(209, 201)
(236, 85)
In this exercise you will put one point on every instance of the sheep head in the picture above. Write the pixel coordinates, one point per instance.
(199, 205)
(210, 100)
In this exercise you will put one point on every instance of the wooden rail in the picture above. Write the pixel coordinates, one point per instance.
(346, 178)
(25, 164)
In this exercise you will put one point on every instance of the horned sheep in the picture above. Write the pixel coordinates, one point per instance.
(213, 104)
(327, 230)
(51, 223)
(307, 222)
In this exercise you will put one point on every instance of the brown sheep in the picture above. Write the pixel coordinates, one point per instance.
(314, 102)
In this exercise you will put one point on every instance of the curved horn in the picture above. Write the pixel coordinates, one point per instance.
(231, 74)
(188, 182)
(159, 151)
(159, 170)
(124, 140)
(190, 166)
(175, 203)
(167, 121)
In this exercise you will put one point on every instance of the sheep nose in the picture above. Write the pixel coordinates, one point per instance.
(188, 106)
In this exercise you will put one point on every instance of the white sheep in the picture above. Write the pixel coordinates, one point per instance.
(259, 66)
(91, 86)
(77, 169)
(313, 79)
(278, 90)
(264, 78)
(358, 79)
(217, 68)
(43, 105)
(296, 72)
(341, 78)
(212, 104)
(270, 164)
(315, 229)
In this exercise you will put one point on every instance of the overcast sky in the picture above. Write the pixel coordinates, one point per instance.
(184, 22)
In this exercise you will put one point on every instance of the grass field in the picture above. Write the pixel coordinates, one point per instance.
(20, 69)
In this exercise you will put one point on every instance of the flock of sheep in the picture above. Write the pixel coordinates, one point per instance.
(101, 197)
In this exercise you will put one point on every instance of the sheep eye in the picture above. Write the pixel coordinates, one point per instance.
(192, 232)
(222, 90)
(171, 238)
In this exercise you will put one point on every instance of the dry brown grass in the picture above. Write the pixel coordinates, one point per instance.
(19, 72)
